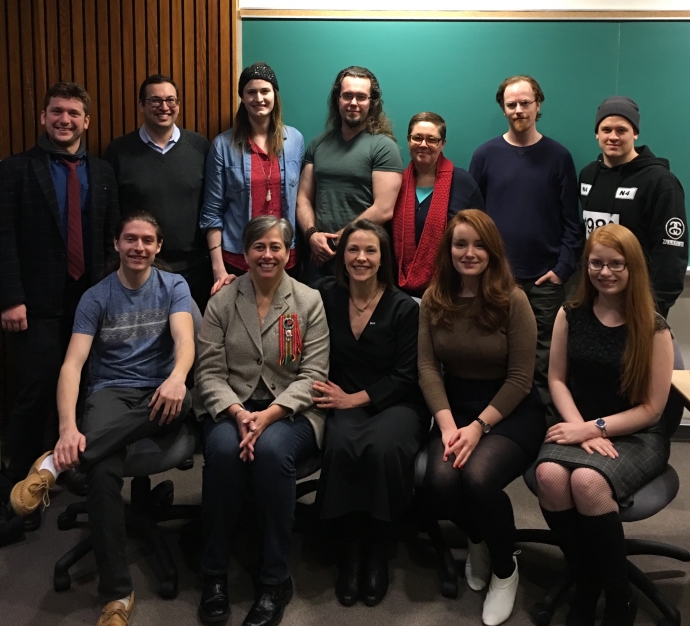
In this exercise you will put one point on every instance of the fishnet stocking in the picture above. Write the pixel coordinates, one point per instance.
(592, 493)
(553, 487)
(560, 488)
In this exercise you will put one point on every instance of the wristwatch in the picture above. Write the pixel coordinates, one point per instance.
(601, 425)
(485, 427)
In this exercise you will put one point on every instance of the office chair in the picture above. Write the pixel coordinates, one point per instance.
(647, 501)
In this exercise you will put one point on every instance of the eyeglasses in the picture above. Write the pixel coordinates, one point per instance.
(419, 139)
(598, 266)
(348, 96)
(158, 102)
(511, 106)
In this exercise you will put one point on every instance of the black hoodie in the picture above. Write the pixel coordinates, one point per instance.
(644, 196)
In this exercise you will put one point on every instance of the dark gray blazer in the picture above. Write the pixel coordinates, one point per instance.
(33, 254)
(234, 352)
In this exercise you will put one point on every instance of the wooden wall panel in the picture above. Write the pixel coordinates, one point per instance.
(111, 46)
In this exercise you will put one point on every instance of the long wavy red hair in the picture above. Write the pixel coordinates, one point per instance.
(490, 308)
(639, 309)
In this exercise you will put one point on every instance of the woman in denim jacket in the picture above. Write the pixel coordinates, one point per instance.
(252, 169)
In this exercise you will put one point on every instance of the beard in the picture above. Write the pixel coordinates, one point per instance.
(354, 121)
(521, 124)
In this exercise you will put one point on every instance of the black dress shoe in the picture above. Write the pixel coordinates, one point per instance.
(268, 609)
(214, 607)
(75, 481)
(374, 579)
(347, 584)
(620, 611)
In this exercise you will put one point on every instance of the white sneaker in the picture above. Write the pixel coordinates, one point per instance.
(477, 566)
(500, 599)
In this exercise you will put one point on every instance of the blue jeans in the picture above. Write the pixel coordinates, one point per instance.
(280, 448)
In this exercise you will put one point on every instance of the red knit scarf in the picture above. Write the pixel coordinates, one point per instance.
(416, 264)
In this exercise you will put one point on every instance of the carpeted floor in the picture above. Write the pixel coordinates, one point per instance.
(27, 597)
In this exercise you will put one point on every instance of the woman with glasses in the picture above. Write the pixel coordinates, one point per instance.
(433, 191)
(252, 169)
(609, 376)
(477, 346)
(377, 416)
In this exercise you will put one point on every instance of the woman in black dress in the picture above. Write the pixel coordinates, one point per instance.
(376, 415)
(609, 376)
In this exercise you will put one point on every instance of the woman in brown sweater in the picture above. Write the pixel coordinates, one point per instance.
(477, 344)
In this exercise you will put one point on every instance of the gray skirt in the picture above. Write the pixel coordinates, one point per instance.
(641, 457)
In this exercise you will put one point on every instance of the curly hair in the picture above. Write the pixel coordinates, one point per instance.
(491, 307)
(377, 122)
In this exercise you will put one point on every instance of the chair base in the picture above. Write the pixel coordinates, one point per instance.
(543, 611)
(148, 507)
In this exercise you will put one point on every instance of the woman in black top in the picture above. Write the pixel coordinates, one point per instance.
(376, 412)
(609, 376)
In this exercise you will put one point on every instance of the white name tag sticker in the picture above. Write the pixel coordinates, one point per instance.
(594, 219)
(626, 193)
(584, 189)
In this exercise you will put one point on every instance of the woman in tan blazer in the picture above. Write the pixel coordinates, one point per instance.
(263, 344)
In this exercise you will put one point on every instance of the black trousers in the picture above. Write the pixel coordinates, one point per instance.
(545, 299)
(114, 418)
(272, 474)
(38, 353)
(199, 277)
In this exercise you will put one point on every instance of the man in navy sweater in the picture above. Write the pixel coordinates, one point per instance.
(529, 185)
(160, 169)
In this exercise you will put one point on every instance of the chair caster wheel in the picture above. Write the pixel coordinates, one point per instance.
(163, 494)
(541, 615)
(168, 589)
(61, 582)
(66, 521)
(449, 589)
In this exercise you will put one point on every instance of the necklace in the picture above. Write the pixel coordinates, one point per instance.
(267, 179)
(366, 306)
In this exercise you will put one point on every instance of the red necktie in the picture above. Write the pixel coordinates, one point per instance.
(75, 243)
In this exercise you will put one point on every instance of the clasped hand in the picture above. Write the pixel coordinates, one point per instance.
(332, 396)
(566, 433)
(251, 425)
(461, 442)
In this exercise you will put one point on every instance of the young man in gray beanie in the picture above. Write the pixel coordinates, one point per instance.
(628, 185)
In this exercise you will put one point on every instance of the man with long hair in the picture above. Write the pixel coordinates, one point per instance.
(58, 213)
(352, 170)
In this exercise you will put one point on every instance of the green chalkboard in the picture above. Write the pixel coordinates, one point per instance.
(454, 69)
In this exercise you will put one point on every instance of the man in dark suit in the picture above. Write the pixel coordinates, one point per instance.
(58, 215)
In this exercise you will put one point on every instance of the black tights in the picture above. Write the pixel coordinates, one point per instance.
(473, 497)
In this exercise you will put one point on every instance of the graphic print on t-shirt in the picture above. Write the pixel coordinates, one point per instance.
(594, 219)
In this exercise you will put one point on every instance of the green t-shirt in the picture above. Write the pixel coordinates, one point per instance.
(342, 171)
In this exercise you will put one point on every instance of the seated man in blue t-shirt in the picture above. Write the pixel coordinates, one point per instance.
(135, 327)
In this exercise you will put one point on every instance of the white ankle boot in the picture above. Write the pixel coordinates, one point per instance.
(477, 566)
(499, 601)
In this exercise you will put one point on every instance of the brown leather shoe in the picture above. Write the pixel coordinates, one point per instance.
(27, 494)
(115, 614)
